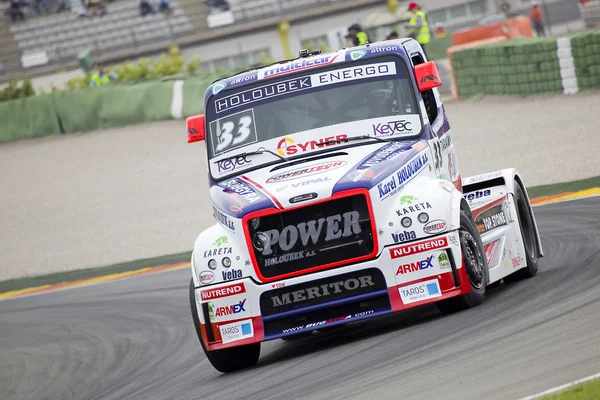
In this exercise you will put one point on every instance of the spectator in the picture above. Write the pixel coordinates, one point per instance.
(418, 26)
(41, 6)
(392, 36)
(222, 5)
(163, 5)
(145, 8)
(100, 77)
(15, 11)
(62, 5)
(537, 19)
(359, 37)
(96, 7)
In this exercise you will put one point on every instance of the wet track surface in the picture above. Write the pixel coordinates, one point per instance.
(134, 339)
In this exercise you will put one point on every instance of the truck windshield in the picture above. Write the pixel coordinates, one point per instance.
(295, 114)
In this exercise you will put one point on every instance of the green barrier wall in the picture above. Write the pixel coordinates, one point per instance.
(113, 106)
(28, 118)
(585, 48)
(193, 96)
(517, 67)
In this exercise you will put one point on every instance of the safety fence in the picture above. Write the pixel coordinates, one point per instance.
(528, 66)
(100, 108)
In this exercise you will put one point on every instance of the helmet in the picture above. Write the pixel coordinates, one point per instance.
(412, 6)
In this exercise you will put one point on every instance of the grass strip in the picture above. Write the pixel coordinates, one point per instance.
(584, 391)
(565, 187)
(70, 276)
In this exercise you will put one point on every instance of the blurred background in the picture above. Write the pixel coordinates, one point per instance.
(57, 43)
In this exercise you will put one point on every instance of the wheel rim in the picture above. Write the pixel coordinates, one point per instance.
(473, 259)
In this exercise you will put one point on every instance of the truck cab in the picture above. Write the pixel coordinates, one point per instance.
(337, 197)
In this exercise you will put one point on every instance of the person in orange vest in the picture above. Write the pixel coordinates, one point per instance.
(537, 19)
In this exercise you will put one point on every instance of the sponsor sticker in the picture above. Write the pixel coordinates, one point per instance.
(224, 291)
(420, 291)
(344, 286)
(303, 197)
(298, 65)
(443, 261)
(228, 311)
(454, 240)
(427, 245)
(482, 177)
(420, 265)
(288, 147)
(404, 236)
(354, 73)
(241, 188)
(313, 231)
(313, 325)
(236, 331)
(221, 251)
(232, 164)
(478, 194)
(247, 97)
(396, 182)
(206, 277)
(491, 219)
(413, 208)
(234, 131)
(386, 153)
(232, 274)
(435, 226)
(395, 127)
(306, 171)
(269, 91)
(217, 87)
(223, 219)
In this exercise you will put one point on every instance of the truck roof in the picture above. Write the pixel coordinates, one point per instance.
(308, 62)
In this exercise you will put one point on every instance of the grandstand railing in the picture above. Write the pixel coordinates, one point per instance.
(246, 20)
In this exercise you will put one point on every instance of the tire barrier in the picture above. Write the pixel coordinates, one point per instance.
(28, 118)
(528, 66)
(102, 107)
(585, 49)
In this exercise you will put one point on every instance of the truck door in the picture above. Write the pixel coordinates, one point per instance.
(442, 146)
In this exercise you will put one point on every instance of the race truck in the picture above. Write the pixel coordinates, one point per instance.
(337, 197)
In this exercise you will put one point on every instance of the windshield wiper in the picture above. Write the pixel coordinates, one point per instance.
(260, 150)
(363, 137)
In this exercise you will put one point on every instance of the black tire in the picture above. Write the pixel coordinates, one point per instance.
(529, 240)
(476, 266)
(226, 360)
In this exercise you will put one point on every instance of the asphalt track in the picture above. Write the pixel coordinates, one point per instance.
(133, 339)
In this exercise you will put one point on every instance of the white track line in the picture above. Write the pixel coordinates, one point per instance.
(561, 387)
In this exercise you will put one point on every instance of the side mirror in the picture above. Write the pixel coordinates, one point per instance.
(427, 76)
(195, 128)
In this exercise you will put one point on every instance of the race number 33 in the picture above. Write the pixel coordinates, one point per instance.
(233, 131)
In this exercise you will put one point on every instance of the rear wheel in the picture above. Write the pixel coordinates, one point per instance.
(528, 234)
(226, 360)
(474, 262)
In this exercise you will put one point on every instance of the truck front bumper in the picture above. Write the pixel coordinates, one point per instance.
(403, 276)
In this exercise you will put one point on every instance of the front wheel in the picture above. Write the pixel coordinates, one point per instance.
(226, 360)
(475, 263)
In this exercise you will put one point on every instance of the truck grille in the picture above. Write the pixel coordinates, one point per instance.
(327, 233)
